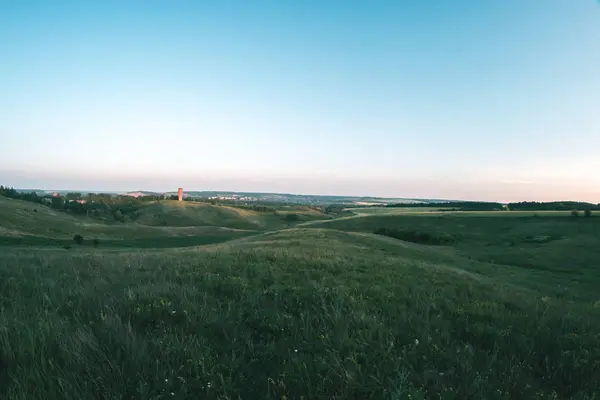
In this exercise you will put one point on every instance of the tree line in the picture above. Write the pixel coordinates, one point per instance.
(454, 205)
(493, 206)
(553, 206)
(14, 194)
(99, 205)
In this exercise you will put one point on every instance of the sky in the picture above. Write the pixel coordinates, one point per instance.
(467, 99)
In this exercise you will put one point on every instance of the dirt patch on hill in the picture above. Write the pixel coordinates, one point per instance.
(10, 232)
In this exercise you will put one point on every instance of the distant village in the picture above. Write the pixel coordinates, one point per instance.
(58, 197)
(233, 197)
(51, 197)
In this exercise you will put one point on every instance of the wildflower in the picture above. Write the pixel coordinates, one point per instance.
(416, 342)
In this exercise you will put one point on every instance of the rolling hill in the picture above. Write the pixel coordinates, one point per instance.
(36, 223)
(329, 309)
(298, 312)
(188, 213)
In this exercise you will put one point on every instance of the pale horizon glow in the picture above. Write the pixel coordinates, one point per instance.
(476, 100)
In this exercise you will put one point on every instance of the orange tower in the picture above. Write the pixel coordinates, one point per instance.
(180, 192)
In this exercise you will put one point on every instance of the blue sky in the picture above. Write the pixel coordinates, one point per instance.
(465, 99)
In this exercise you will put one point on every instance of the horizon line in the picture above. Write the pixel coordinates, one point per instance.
(298, 194)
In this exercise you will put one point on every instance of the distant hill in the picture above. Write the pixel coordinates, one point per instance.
(188, 213)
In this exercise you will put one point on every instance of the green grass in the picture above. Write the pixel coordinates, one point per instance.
(509, 309)
(174, 213)
(152, 242)
(18, 219)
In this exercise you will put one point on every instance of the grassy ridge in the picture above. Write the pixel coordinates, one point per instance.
(20, 219)
(174, 213)
(297, 313)
(310, 314)
(507, 309)
(24, 223)
(561, 250)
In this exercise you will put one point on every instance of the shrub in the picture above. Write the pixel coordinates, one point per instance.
(417, 237)
(78, 239)
(575, 213)
(96, 242)
(587, 213)
(119, 216)
(291, 217)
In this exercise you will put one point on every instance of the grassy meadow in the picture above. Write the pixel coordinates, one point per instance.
(224, 303)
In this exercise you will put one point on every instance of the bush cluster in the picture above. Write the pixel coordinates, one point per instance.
(417, 237)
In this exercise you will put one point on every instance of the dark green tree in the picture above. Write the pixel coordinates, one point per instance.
(58, 203)
(73, 196)
(291, 217)
(119, 216)
(78, 239)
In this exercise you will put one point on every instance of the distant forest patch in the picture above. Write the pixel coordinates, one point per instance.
(492, 206)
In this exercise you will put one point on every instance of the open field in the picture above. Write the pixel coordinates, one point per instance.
(507, 308)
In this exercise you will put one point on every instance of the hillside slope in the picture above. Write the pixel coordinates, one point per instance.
(24, 219)
(174, 213)
(300, 312)
(552, 247)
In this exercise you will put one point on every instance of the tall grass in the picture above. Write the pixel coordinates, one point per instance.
(310, 314)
